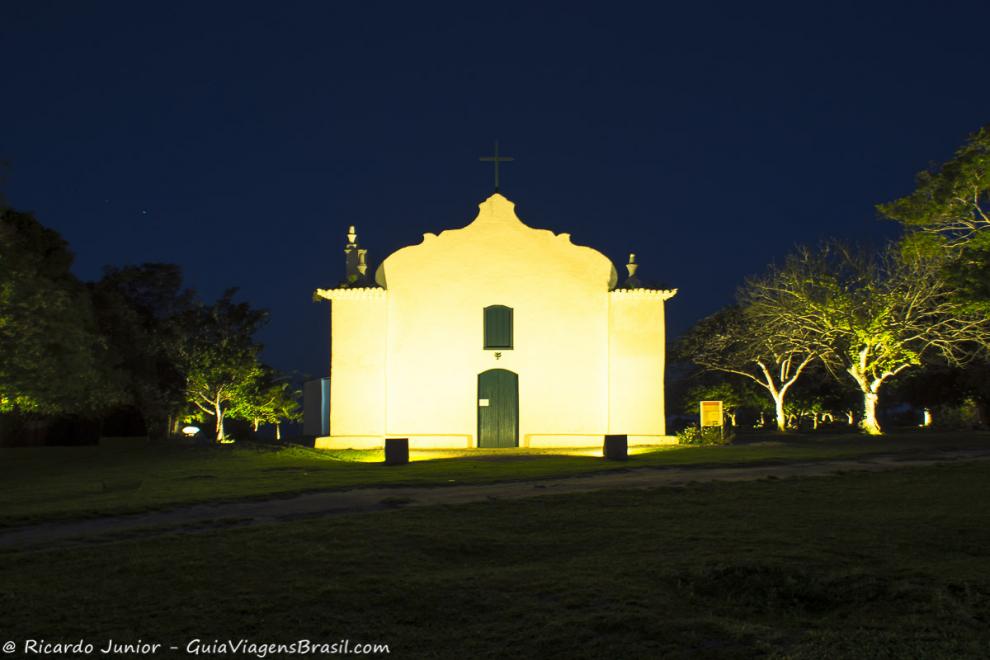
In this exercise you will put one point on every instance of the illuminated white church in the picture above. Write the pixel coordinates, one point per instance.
(494, 335)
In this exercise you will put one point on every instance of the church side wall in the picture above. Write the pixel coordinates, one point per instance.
(357, 371)
(636, 365)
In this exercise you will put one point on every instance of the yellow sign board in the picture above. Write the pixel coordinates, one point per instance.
(711, 413)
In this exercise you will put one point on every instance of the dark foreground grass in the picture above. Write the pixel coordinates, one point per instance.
(884, 565)
(59, 482)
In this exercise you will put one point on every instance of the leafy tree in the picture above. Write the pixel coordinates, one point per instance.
(139, 308)
(287, 408)
(52, 357)
(951, 205)
(939, 386)
(975, 381)
(872, 316)
(949, 212)
(218, 354)
(266, 399)
(733, 341)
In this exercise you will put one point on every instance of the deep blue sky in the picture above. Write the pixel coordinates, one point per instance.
(240, 139)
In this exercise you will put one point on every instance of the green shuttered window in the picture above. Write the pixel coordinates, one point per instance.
(498, 327)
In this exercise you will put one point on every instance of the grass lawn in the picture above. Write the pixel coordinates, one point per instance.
(885, 565)
(57, 482)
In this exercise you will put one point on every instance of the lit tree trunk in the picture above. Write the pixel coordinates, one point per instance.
(871, 392)
(218, 411)
(732, 418)
(851, 417)
(786, 380)
(763, 420)
(786, 375)
(858, 370)
(814, 421)
(778, 402)
(278, 430)
(928, 417)
(173, 425)
(869, 422)
(254, 424)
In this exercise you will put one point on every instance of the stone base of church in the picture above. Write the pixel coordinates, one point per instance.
(542, 441)
(531, 441)
(349, 442)
(378, 441)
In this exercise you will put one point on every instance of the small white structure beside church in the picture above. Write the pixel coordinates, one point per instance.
(494, 335)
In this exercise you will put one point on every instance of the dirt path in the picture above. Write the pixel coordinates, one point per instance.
(206, 517)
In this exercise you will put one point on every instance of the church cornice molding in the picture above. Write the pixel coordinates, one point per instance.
(646, 294)
(363, 293)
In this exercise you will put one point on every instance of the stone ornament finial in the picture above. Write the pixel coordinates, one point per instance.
(362, 266)
(632, 265)
(356, 260)
(632, 282)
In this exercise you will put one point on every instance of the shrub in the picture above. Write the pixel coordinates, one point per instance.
(708, 435)
(964, 415)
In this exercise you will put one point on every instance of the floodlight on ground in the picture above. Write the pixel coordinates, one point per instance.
(396, 451)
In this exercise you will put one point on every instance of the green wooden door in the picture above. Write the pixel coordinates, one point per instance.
(498, 408)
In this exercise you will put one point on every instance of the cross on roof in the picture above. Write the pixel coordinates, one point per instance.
(496, 159)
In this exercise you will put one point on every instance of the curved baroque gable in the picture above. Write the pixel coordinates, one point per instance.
(495, 245)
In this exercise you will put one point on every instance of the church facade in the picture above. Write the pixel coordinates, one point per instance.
(494, 335)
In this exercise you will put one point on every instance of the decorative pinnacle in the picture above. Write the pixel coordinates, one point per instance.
(632, 265)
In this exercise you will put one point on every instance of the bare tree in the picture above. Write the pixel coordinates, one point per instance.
(872, 316)
(732, 341)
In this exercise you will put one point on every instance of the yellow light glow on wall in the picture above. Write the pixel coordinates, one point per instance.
(406, 357)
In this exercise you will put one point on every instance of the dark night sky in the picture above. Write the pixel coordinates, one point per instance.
(239, 140)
